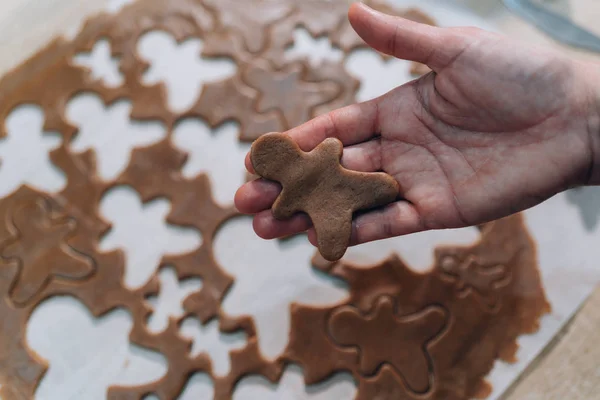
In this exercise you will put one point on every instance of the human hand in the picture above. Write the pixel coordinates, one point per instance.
(497, 127)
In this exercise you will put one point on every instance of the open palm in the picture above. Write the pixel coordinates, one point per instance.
(497, 127)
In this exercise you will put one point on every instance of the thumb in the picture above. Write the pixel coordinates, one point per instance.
(399, 37)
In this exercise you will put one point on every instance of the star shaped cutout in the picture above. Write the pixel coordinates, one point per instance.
(286, 91)
(151, 183)
(232, 99)
(316, 183)
(250, 19)
(320, 17)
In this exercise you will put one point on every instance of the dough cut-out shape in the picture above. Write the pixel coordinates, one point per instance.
(40, 248)
(102, 65)
(317, 16)
(286, 91)
(335, 72)
(24, 152)
(314, 50)
(232, 99)
(208, 339)
(317, 184)
(133, 219)
(310, 347)
(167, 304)
(109, 131)
(250, 20)
(175, 64)
(470, 276)
(404, 344)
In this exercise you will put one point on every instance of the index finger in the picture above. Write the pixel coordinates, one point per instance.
(352, 124)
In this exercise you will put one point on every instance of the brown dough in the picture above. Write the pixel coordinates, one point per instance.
(455, 336)
(40, 247)
(404, 344)
(285, 90)
(42, 264)
(231, 99)
(316, 183)
(251, 19)
(470, 276)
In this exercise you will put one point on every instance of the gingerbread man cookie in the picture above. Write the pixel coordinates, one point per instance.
(316, 183)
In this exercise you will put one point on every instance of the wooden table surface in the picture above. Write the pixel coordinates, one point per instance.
(570, 367)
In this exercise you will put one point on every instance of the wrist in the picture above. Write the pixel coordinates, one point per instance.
(590, 78)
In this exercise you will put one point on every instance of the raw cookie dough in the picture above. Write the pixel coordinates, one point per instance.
(317, 184)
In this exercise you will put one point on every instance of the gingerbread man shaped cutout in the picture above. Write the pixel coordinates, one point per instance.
(315, 183)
